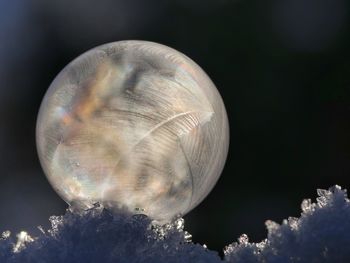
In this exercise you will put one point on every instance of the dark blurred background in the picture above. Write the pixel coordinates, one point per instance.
(281, 66)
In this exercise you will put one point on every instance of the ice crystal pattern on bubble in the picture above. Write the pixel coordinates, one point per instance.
(133, 125)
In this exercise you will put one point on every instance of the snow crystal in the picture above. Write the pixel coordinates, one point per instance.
(320, 234)
(96, 235)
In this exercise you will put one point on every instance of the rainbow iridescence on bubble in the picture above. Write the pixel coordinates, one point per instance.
(133, 125)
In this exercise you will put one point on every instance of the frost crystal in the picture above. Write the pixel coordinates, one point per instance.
(321, 234)
(22, 239)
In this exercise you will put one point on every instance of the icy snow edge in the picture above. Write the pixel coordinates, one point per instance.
(320, 234)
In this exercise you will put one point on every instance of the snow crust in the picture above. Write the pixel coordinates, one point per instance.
(320, 234)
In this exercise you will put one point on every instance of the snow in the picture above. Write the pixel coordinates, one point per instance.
(320, 234)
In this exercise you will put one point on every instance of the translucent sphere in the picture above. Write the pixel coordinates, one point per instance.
(133, 125)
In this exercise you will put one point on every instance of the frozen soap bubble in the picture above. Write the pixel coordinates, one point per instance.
(133, 125)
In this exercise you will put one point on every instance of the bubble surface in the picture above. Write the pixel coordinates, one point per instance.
(133, 125)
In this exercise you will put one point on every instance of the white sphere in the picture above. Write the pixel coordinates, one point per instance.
(133, 125)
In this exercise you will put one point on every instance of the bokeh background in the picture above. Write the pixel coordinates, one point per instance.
(281, 66)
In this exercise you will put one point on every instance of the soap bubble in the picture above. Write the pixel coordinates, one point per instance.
(133, 125)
